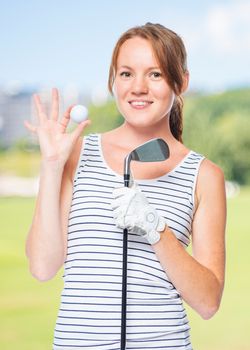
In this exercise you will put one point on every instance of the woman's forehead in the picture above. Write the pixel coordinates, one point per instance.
(136, 51)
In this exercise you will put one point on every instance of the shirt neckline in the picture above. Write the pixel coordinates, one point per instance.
(99, 141)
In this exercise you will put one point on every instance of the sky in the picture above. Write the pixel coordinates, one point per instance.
(69, 43)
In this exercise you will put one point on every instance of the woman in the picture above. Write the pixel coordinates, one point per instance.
(82, 209)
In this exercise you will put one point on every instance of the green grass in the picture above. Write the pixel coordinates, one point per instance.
(29, 308)
(229, 328)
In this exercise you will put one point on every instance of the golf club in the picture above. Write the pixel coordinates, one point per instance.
(155, 150)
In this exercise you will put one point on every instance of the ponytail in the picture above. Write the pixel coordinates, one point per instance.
(175, 118)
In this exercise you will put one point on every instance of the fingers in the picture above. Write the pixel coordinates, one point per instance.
(54, 105)
(66, 118)
(123, 196)
(116, 203)
(55, 114)
(39, 108)
(79, 129)
(29, 126)
(121, 191)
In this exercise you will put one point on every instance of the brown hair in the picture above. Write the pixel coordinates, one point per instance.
(171, 54)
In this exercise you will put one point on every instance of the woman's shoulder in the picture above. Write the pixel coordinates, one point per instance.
(210, 180)
(209, 171)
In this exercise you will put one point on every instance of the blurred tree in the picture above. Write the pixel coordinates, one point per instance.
(218, 126)
(235, 146)
(104, 117)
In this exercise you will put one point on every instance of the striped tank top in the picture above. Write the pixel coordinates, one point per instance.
(90, 312)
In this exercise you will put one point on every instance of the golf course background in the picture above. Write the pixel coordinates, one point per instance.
(29, 307)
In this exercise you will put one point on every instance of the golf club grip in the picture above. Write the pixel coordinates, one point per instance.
(126, 180)
(124, 278)
(124, 290)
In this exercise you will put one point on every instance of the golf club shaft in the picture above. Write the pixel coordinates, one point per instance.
(124, 290)
(154, 150)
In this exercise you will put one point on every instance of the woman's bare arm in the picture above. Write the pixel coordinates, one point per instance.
(200, 278)
(46, 242)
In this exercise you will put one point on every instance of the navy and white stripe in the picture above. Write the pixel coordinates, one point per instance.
(90, 311)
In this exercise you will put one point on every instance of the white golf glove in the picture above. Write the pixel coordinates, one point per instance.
(133, 211)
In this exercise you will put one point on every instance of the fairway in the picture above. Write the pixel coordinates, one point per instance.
(29, 308)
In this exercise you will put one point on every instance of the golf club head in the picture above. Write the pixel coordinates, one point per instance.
(155, 150)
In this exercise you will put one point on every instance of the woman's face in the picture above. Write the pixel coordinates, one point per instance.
(142, 95)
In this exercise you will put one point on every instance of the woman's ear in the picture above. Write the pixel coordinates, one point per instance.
(185, 82)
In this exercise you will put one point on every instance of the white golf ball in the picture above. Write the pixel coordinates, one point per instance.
(79, 113)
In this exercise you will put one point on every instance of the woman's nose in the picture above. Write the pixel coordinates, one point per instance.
(140, 85)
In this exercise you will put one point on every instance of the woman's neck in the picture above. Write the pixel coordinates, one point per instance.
(130, 135)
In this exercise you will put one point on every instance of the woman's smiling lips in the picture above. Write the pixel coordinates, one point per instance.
(140, 104)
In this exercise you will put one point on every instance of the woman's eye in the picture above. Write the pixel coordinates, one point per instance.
(125, 74)
(156, 75)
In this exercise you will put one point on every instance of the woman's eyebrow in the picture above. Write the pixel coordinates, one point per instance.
(127, 67)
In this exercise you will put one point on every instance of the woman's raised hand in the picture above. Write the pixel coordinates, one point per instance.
(55, 144)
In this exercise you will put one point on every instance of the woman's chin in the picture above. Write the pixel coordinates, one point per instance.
(146, 123)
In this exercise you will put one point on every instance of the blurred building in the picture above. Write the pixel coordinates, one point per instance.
(14, 109)
(17, 106)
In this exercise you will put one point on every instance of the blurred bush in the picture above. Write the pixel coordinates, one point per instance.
(104, 117)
